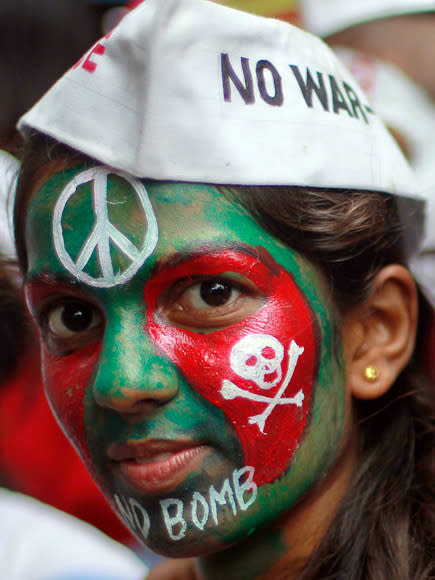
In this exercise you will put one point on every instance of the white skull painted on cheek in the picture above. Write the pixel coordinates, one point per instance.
(258, 358)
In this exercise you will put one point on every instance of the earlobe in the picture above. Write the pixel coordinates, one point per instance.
(379, 335)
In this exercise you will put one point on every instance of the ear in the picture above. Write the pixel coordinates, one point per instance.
(381, 333)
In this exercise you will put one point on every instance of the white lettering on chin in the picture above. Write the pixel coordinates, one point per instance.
(134, 515)
(238, 492)
(175, 521)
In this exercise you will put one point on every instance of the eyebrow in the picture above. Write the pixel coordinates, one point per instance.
(207, 249)
(51, 279)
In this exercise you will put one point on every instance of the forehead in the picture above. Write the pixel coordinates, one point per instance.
(69, 205)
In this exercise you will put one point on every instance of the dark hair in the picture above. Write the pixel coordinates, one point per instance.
(14, 321)
(385, 527)
(38, 42)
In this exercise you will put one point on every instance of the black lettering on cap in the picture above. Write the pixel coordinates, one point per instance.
(277, 98)
(307, 88)
(355, 102)
(338, 101)
(245, 87)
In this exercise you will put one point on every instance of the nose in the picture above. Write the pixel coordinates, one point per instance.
(131, 377)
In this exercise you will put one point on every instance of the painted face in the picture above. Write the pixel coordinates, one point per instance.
(190, 355)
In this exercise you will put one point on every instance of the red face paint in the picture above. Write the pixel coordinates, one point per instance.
(66, 378)
(209, 361)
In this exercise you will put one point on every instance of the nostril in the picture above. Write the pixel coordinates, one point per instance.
(140, 409)
(154, 385)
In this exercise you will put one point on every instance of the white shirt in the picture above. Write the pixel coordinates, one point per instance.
(38, 542)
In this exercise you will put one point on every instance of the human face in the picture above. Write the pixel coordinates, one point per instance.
(190, 356)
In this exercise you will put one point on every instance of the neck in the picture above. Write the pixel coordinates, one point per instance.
(287, 543)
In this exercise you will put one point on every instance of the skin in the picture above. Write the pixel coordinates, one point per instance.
(152, 356)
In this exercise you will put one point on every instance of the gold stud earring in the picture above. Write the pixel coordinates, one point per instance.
(371, 373)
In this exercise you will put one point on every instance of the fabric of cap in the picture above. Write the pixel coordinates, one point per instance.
(9, 167)
(159, 99)
(325, 17)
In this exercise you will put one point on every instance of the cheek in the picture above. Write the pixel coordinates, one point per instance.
(66, 380)
(259, 372)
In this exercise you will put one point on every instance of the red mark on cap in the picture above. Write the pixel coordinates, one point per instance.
(132, 5)
(87, 62)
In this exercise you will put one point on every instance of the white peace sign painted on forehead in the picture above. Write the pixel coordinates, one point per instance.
(104, 232)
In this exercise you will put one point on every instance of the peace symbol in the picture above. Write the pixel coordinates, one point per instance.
(104, 232)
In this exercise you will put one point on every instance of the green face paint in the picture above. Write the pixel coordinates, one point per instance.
(189, 354)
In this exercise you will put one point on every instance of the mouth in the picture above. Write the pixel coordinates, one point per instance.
(156, 466)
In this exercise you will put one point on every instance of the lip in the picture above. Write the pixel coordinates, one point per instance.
(156, 466)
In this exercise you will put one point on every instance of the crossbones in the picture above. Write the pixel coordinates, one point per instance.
(230, 391)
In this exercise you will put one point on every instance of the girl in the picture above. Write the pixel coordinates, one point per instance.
(238, 365)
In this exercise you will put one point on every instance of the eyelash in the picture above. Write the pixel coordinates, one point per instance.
(212, 316)
(181, 286)
(178, 288)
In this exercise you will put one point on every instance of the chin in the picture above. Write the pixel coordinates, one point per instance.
(194, 547)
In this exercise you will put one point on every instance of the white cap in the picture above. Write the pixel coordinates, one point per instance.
(188, 90)
(325, 17)
(9, 167)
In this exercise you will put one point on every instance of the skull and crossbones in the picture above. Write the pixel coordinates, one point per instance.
(258, 358)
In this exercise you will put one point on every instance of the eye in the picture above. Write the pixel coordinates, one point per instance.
(72, 318)
(209, 293)
(209, 304)
(70, 325)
